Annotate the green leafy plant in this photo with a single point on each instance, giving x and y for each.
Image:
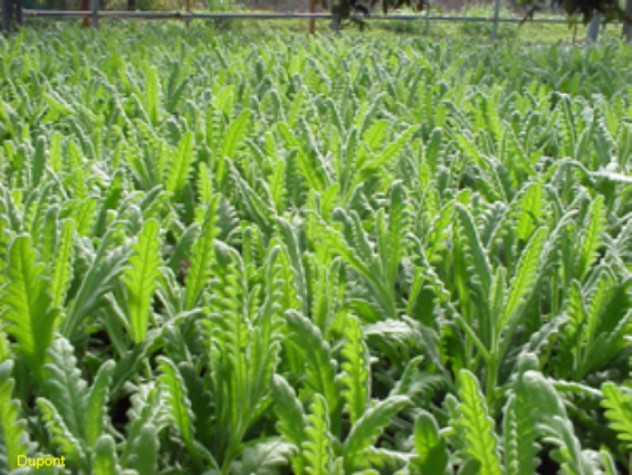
(261, 254)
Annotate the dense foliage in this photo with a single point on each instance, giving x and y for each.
(332, 255)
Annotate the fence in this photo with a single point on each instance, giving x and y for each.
(188, 16)
(95, 15)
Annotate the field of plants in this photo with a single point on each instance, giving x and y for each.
(279, 254)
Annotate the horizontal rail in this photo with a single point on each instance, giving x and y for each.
(61, 14)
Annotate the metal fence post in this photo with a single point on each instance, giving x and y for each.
(627, 34)
(593, 29)
(312, 22)
(427, 27)
(94, 8)
(496, 16)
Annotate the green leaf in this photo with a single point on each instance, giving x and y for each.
(289, 411)
(105, 459)
(531, 208)
(38, 162)
(432, 452)
(474, 249)
(618, 407)
(96, 407)
(4, 347)
(28, 313)
(317, 448)
(263, 458)
(147, 419)
(373, 137)
(369, 427)
(356, 369)
(62, 266)
(592, 238)
(178, 401)
(152, 95)
(479, 427)
(291, 418)
(553, 424)
(13, 431)
(202, 255)
(392, 241)
(519, 432)
(181, 163)
(100, 278)
(142, 450)
(234, 134)
(65, 389)
(60, 434)
(525, 277)
(320, 365)
(141, 279)
(389, 153)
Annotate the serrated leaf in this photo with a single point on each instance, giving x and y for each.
(60, 434)
(592, 236)
(525, 277)
(432, 452)
(289, 411)
(479, 427)
(234, 134)
(355, 369)
(28, 312)
(176, 394)
(65, 389)
(105, 459)
(618, 407)
(320, 365)
(365, 432)
(317, 448)
(62, 266)
(263, 458)
(141, 279)
(96, 407)
(474, 249)
(202, 255)
(142, 451)
(519, 432)
(13, 431)
(181, 163)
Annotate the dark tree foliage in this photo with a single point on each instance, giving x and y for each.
(352, 9)
(587, 9)
(395, 4)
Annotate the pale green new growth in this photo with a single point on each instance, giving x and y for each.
(356, 370)
(105, 459)
(141, 279)
(62, 267)
(479, 427)
(432, 452)
(27, 310)
(181, 162)
(618, 407)
(525, 277)
(13, 431)
(202, 254)
(317, 447)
